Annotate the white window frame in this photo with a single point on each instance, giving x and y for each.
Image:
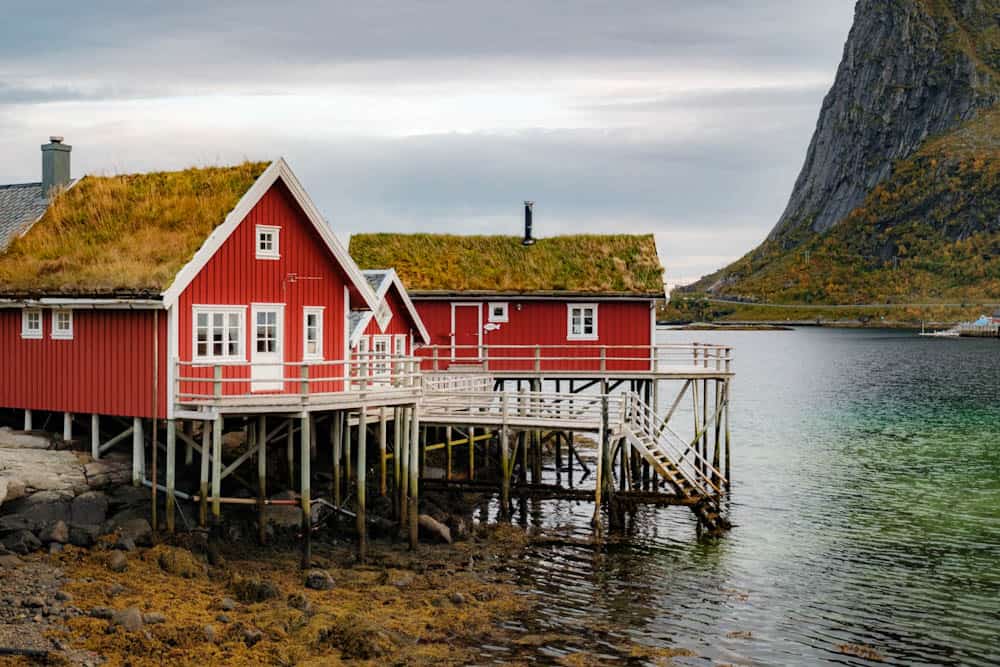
(26, 331)
(275, 251)
(502, 317)
(226, 311)
(62, 334)
(318, 312)
(570, 334)
(364, 360)
(381, 366)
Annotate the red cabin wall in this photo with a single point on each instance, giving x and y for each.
(305, 275)
(107, 368)
(544, 322)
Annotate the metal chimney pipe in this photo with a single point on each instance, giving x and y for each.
(55, 164)
(528, 239)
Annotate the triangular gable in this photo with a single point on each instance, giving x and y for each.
(279, 169)
(389, 279)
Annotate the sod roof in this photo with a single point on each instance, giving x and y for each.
(125, 235)
(581, 264)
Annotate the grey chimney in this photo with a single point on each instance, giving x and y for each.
(55, 164)
(528, 238)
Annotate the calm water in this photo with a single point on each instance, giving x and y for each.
(867, 501)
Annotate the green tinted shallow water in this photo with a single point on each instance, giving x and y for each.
(866, 500)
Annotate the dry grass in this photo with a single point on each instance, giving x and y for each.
(123, 234)
(614, 263)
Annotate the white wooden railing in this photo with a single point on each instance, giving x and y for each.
(578, 357)
(456, 383)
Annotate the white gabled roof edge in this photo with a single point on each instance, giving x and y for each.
(277, 169)
(391, 278)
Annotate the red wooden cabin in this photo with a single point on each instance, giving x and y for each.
(393, 328)
(506, 304)
(175, 292)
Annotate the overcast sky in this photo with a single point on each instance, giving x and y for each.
(685, 118)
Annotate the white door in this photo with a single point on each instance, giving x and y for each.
(267, 356)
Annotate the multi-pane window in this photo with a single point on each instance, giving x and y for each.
(218, 334)
(267, 242)
(582, 322)
(62, 324)
(31, 323)
(312, 326)
(267, 331)
(380, 356)
(498, 311)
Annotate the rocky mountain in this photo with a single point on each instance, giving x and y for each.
(912, 109)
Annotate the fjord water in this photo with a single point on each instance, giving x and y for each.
(866, 504)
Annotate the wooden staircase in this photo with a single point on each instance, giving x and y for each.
(694, 479)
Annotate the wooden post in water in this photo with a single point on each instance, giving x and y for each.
(414, 467)
(362, 522)
(728, 380)
(171, 455)
(383, 462)
(305, 437)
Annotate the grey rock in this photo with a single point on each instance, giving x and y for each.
(251, 636)
(56, 532)
(63, 596)
(124, 544)
(222, 618)
(137, 530)
(21, 542)
(457, 598)
(117, 562)
(154, 618)
(129, 619)
(434, 528)
(404, 580)
(33, 602)
(227, 604)
(89, 508)
(12, 523)
(300, 602)
(319, 580)
(115, 590)
(9, 561)
(209, 632)
(56, 548)
(42, 508)
(102, 612)
(84, 536)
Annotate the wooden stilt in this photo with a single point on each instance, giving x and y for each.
(171, 457)
(290, 452)
(95, 436)
(397, 448)
(217, 470)
(505, 466)
(362, 520)
(337, 438)
(261, 438)
(28, 426)
(67, 426)
(404, 462)
(383, 463)
(347, 453)
(187, 431)
(304, 480)
(206, 439)
(558, 446)
(414, 497)
(138, 453)
(472, 452)
(447, 445)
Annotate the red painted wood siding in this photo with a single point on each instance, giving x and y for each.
(107, 368)
(544, 323)
(305, 275)
(401, 322)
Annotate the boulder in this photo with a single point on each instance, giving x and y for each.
(12, 523)
(21, 542)
(89, 508)
(117, 562)
(84, 536)
(319, 580)
(42, 508)
(129, 619)
(137, 530)
(255, 590)
(154, 618)
(434, 528)
(56, 532)
(179, 562)
(11, 439)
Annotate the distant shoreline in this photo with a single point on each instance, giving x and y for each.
(788, 325)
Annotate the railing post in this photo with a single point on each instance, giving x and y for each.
(304, 381)
(217, 384)
(486, 358)
(538, 358)
(604, 358)
(435, 357)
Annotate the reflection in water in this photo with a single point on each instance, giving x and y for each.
(866, 499)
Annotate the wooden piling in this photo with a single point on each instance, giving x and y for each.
(414, 465)
(95, 436)
(404, 463)
(383, 460)
(362, 521)
(260, 436)
(138, 453)
(447, 447)
(206, 441)
(505, 469)
(171, 455)
(290, 452)
(304, 480)
(217, 470)
(336, 437)
(28, 426)
(472, 452)
(397, 448)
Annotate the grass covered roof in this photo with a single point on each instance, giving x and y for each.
(594, 264)
(124, 235)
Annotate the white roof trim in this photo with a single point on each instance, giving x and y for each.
(392, 278)
(84, 303)
(278, 169)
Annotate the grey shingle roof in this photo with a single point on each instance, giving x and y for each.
(20, 205)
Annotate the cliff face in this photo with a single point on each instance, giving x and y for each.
(915, 74)
(911, 69)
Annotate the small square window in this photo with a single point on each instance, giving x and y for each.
(62, 324)
(267, 242)
(31, 323)
(498, 311)
(582, 322)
